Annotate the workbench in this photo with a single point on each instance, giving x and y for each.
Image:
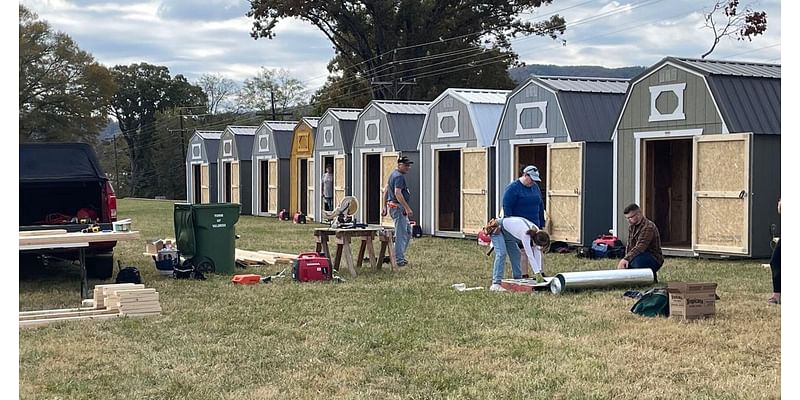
(31, 241)
(343, 239)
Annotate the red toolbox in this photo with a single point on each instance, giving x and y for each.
(246, 279)
(311, 267)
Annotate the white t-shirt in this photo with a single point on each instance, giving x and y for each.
(518, 228)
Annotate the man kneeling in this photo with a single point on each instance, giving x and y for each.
(644, 243)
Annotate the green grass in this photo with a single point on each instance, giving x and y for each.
(385, 335)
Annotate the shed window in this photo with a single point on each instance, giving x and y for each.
(531, 118)
(666, 102)
(447, 124)
(263, 142)
(227, 147)
(372, 131)
(196, 152)
(327, 136)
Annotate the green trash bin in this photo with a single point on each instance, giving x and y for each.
(206, 235)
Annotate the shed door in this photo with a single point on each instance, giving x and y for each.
(388, 164)
(204, 184)
(272, 187)
(235, 182)
(564, 191)
(338, 180)
(473, 190)
(720, 222)
(310, 196)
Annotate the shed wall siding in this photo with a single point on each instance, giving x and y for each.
(246, 186)
(597, 193)
(765, 189)
(466, 132)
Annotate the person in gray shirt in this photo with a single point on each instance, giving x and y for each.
(397, 201)
(327, 189)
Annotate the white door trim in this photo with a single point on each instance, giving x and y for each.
(432, 160)
(639, 137)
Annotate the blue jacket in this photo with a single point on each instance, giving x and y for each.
(526, 202)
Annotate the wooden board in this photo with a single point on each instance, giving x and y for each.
(339, 180)
(77, 237)
(388, 164)
(565, 191)
(235, 196)
(720, 216)
(474, 186)
(272, 187)
(42, 232)
(205, 184)
(310, 187)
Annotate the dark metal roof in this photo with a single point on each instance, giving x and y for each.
(733, 68)
(283, 143)
(748, 104)
(590, 117)
(348, 131)
(405, 130)
(208, 134)
(244, 136)
(212, 148)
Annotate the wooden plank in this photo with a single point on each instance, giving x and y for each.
(43, 232)
(66, 314)
(42, 322)
(77, 237)
(55, 311)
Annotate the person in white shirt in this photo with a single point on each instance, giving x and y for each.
(505, 234)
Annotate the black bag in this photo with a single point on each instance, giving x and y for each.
(416, 230)
(128, 274)
(187, 271)
(653, 303)
(584, 252)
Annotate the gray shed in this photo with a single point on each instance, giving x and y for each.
(271, 153)
(457, 163)
(697, 146)
(201, 167)
(385, 130)
(234, 166)
(563, 126)
(333, 147)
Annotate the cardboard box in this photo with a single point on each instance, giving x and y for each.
(689, 301)
(154, 246)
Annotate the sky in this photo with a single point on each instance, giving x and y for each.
(213, 36)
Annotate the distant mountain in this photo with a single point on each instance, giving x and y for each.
(519, 74)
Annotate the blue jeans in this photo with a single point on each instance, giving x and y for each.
(402, 233)
(644, 260)
(505, 244)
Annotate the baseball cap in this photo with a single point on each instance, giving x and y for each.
(404, 160)
(533, 172)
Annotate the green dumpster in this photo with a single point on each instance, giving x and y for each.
(205, 234)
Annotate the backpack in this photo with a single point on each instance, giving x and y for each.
(299, 218)
(416, 230)
(653, 303)
(128, 274)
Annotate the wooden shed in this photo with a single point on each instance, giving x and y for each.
(457, 163)
(563, 126)
(697, 146)
(234, 166)
(201, 167)
(385, 130)
(302, 185)
(333, 147)
(271, 153)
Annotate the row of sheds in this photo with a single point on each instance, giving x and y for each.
(696, 143)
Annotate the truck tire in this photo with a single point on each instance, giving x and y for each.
(100, 266)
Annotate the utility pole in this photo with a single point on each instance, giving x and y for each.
(183, 143)
(272, 100)
(116, 166)
(396, 84)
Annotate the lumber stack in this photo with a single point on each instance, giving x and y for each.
(263, 257)
(110, 301)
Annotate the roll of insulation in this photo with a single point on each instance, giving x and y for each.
(601, 279)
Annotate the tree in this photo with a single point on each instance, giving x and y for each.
(218, 89)
(143, 91)
(271, 85)
(63, 93)
(387, 43)
(347, 90)
(735, 24)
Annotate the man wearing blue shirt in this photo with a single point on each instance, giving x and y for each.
(398, 199)
(523, 198)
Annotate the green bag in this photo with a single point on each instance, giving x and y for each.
(653, 303)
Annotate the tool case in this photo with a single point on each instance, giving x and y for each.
(311, 267)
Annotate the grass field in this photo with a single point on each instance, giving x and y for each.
(387, 335)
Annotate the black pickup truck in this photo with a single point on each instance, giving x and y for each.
(62, 186)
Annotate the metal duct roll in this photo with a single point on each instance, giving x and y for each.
(601, 279)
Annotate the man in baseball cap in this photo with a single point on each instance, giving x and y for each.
(397, 199)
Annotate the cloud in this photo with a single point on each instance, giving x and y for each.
(205, 10)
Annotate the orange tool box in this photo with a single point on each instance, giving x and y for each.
(246, 279)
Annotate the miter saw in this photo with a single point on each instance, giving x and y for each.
(344, 215)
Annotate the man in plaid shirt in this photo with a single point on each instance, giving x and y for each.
(644, 243)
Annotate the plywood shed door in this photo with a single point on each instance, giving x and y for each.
(338, 180)
(720, 222)
(473, 190)
(388, 164)
(204, 184)
(310, 197)
(272, 187)
(235, 182)
(565, 190)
